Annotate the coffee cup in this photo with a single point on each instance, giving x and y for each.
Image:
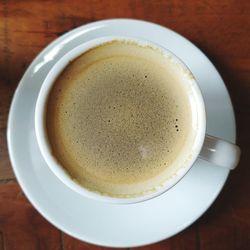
(122, 120)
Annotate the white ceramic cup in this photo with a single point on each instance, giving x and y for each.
(214, 150)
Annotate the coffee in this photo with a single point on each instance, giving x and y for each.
(119, 118)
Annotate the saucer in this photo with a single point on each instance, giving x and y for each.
(109, 224)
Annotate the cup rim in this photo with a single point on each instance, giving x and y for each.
(43, 142)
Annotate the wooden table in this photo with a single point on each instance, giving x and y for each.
(220, 28)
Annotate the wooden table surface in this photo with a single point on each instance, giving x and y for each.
(220, 28)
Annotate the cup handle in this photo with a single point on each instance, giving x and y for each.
(220, 152)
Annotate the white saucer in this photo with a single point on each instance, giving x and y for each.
(107, 224)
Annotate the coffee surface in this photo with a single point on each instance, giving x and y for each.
(117, 118)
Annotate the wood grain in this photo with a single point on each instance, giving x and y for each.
(220, 28)
(21, 226)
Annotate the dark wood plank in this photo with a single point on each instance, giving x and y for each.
(5, 97)
(1, 241)
(21, 225)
